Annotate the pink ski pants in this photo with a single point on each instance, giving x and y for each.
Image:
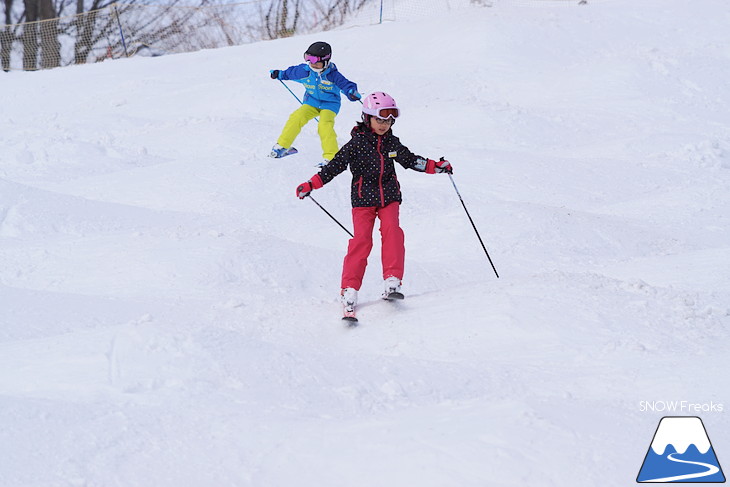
(392, 238)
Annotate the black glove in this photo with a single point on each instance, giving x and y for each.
(274, 74)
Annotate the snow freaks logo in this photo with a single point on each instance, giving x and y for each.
(680, 452)
(680, 407)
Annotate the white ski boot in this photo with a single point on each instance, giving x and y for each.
(392, 288)
(348, 296)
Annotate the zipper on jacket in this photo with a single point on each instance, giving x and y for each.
(382, 170)
(317, 82)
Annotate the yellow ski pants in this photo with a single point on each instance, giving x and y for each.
(326, 129)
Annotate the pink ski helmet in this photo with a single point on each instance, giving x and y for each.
(381, 105)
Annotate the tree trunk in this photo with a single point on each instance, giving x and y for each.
(30, 36)
(282, 19)
(85, 26)
(50, 46)
(6, 37)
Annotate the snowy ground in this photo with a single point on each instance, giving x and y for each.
(168, 308)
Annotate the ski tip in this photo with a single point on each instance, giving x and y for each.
(351, 321)
(393, 296)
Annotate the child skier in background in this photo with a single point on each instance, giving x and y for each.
(375, 192)
(323, 84)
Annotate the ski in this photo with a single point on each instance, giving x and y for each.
(393, 295)
(349, 316)
(285, 153)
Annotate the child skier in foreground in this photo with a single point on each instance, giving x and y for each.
(323, 84)
(375, 192)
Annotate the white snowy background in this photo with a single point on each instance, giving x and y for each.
(168, 307)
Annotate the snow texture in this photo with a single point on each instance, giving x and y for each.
(169, 311)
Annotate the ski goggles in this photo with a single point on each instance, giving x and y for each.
(386, 113)
(385, 121)
(315, 59)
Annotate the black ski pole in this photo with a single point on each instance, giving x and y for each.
(472, 224)
(328, 214)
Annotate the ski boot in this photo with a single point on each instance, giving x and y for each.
(392, 288)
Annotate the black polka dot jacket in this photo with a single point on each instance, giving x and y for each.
(371, 160)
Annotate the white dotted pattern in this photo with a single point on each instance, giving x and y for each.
(371, 158)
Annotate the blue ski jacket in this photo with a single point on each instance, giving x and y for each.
(323, 89)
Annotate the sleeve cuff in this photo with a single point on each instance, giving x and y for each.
(317, 181)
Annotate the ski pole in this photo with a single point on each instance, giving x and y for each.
(328, 214)
(294, 95)
(472, 224)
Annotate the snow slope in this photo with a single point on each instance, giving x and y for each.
(168, 308)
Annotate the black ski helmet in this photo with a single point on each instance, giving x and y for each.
(321, 50)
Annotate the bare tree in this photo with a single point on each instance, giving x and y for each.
(30, 35)
(98, 29)
(335, 12)
(132, 21)
(40, 36)
(282, 18)
(7, 35)
(91, 28)
(48, 30)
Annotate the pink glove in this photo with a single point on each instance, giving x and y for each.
(307, 187)
(442, 165)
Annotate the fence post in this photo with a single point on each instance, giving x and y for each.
(381, 12)
(121, 32)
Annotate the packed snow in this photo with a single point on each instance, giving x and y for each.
(169, 310)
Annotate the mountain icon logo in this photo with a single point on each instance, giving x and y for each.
(680, 452)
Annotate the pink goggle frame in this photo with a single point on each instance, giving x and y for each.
(315, 59)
